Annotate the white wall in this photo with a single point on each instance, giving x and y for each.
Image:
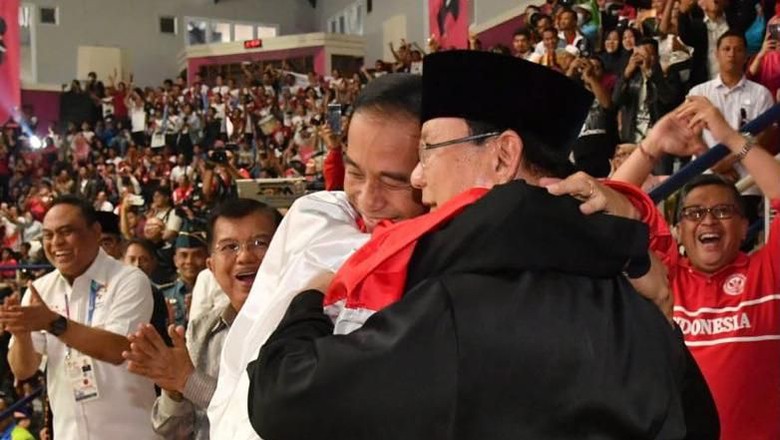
(416, 12)
(133, 26)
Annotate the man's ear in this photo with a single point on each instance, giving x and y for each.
(508, 156)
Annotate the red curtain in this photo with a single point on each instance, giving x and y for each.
(449, 22)
(10, 88)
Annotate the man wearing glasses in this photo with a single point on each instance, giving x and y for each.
(726, 302)
(503, 313)
(240, 231)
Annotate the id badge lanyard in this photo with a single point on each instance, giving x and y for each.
(93, 290)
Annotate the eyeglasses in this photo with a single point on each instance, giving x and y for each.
(231, 249)
(720, 212)
(463, 140)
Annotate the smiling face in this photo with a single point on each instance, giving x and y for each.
(189, 262)
(380, 157)
(443, 173)
(235, 272)
(712, 243)
(69, 242)
(612, 43)
(137, 255)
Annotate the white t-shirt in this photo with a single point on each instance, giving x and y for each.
(168, 216)
(316, 236)
(123, 300)
(137, 119)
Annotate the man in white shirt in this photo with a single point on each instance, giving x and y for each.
(738, 99)
(321, 230)
(182, 169)
(77, 317)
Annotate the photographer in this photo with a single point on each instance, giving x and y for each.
(765, 66)
(596, 143)
(219, 176)
(162, 209)
(643, 94)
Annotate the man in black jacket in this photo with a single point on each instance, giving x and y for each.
(516, 319)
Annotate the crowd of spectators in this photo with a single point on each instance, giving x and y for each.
(161, 157)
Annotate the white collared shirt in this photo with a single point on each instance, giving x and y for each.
(123, 301)
(317, 235)
(206, 295)
(715, 28)
(746, 98)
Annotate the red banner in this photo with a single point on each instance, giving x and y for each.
(10, 88)
(449, 22)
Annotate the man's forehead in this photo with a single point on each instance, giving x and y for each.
(439, 126)
(717, 193)
(256, 224)
(63, 215)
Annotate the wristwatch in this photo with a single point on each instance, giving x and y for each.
(750, 142)
(58, 326)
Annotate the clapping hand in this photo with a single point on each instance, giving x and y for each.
(168, 367)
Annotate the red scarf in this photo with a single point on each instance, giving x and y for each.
(375, 275)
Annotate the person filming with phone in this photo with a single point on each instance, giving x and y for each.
(765, 66)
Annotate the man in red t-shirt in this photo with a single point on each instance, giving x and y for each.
(727, 303)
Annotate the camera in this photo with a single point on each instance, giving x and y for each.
(584, 47)
(219, 157)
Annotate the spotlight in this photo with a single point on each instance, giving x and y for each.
(35, 142)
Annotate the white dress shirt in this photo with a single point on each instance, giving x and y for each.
(206, 295)
(316, 236)
(746, 100)
(122, 410)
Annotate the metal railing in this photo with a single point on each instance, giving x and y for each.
(20, 404)
(711, 157)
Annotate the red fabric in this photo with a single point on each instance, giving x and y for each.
(120, 109)
(333, 170)
(37, 208)
(768, 74)
(375, 275)
(456, 32)
(731, 323)
(10, 86)
(8, 273)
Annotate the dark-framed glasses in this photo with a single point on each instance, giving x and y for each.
(463, 140)
(720, 212)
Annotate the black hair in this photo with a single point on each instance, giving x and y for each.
(648, 41)
(732, 33)
(240, 208)
(569, 10)
(501, 49)
(710, 180)
(87, 210)
(522, 31)
(164, 191)
(395, 93)
(537, 156)
(144, 243)
(635, 32)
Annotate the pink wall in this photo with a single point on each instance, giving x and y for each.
(43, 104)
(501, 34)
(318, 53)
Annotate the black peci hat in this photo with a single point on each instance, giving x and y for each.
(109, 222)
(507, 92)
